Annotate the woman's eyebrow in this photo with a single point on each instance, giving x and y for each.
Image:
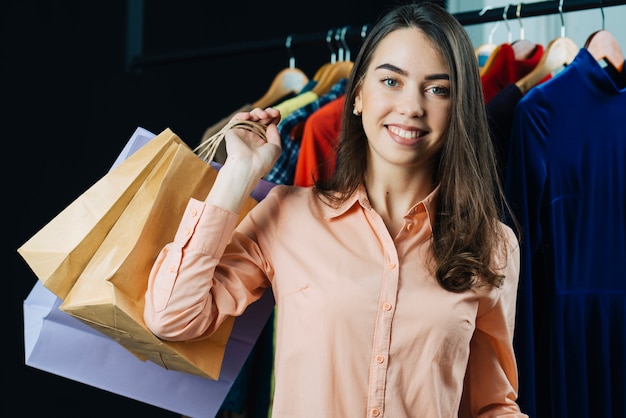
(391, 67)
(441, 76)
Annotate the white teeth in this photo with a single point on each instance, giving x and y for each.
(403, 133)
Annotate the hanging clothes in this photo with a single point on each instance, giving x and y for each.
(506, 69)
(284, 170)
(319, 137)
(500, 112)
(566, 182)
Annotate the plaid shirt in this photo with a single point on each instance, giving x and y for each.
(284, 170)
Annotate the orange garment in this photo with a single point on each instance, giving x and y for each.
(363, 328)
(505, 69)
(319, 138)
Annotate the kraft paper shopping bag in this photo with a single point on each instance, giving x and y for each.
(59, 251)
(109, 293)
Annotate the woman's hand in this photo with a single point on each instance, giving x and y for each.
(243, 145)
(249, 158)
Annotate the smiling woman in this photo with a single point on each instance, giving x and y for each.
(405, 236)
(405, 105)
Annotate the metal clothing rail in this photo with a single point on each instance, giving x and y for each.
(541, 8)
(136, 60)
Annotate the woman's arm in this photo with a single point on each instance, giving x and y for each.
(491, 384)
(183, 300)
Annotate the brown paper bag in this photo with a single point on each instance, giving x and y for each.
(58, 252)
(109, 293)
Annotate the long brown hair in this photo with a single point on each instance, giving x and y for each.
(471, 200)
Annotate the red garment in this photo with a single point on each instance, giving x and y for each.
(320, 135)
(505, 69)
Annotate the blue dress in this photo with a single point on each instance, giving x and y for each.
(566, 181)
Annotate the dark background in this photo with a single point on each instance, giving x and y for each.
(72, 98)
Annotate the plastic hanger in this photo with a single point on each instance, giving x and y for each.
(338, 70)
(288, 80)
(559, 53)
(602, 45)
(492, 58)
(484, 51)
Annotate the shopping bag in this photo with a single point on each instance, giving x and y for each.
(62, 345)
(109, 293)
(59, 251)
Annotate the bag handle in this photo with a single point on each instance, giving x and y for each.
(207, 148)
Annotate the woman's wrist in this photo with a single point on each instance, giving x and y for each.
(233, 185)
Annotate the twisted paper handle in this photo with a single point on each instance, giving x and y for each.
(207, 148)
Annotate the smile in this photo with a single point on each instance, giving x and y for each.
(412, 134)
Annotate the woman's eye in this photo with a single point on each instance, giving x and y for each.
(439, 90)
(390, 82)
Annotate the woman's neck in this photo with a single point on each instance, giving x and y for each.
(392, 195)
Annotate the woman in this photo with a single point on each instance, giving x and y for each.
(395, 283)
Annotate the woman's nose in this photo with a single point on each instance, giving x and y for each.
(411, 103)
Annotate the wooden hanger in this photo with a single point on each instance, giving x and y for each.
(602, 45)
(288, 80)
(321, 72)
(329, 75)
(483, 52)
(335, 72)
(486, 68)
(560, 52)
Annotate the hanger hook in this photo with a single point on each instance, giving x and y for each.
(329, 42)
(506, 22)
(292, 58)
(344, 31)
(363, 31)
(518, 14)
(494, 28)
(340, 50)
(562, 20)
(602, 11)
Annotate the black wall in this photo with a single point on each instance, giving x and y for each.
(69, 106)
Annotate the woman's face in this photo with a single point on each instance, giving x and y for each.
(404, 100)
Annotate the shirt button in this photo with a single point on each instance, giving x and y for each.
(409, 226)
(379, 359)
(194, 212)
(375, 412)
(387, 306)
(391, 266)
(187, 232)
(172, 268)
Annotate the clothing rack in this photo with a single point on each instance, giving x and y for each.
(136, 60)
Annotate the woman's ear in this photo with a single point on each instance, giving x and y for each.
(357, 107)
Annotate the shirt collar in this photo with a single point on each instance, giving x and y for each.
(429, 204)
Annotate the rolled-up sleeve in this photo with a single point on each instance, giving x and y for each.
(179, 298)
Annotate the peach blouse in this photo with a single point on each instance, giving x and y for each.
(363, 329)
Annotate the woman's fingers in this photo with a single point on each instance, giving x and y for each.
(264, 116)
(272, 135)
(269, 118)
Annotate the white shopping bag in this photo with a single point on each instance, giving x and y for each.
(62, 345)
